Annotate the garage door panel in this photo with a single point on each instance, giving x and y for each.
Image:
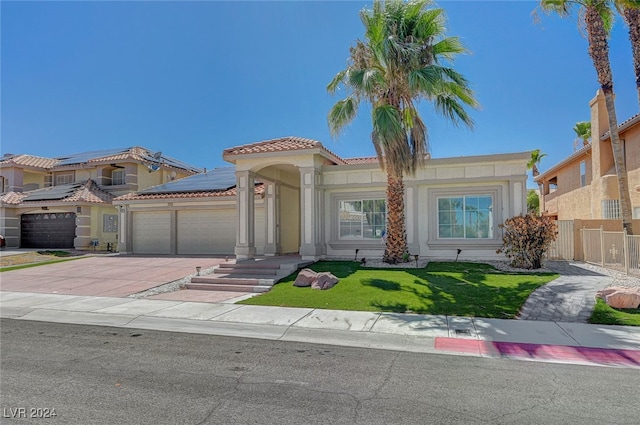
(152, 232)
(206, 231)
(47, 230)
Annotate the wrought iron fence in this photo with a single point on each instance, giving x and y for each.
(614, 250)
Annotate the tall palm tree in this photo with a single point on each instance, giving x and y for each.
(536, 157)
(597, 18)
(398, 64)
(630, 11)
(583, 132)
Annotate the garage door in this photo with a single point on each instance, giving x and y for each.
(207, 231)
(152, 232)
(213, 231)
(50, 230)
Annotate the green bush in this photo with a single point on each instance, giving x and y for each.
(526, 238)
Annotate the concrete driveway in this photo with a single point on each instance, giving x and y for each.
(106, 276)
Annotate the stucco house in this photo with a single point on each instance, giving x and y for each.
(66, 202)
(293, 195)
(584, 185)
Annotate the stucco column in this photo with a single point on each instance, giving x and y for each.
(245, 206)
(272, 218)
(83, 228)
(123, 230)
(310, 215)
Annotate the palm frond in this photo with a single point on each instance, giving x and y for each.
(342, 113)
(448, 48)
(336, 81)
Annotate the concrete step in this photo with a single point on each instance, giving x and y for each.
(245, 271)
(249, 265)
(227, 287)
(213, 279)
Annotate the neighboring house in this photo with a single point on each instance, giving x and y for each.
(292, 195)
(585, 185)
(65, 202)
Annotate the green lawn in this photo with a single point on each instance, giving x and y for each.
(603, 314)
(458, 289)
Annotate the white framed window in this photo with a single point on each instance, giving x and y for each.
(465, 217)
(66, 178)
(117, 177)
(362, 219)
(583, 173)
(611, 209)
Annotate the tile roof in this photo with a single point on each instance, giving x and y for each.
(135, 153)
(28, 160)
(259, 190)
(88, 192)
(283, 144)
(623, 126)
(363, 160)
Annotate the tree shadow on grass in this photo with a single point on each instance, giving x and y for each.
(385, 285)
(467, 292)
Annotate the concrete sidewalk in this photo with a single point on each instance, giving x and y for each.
(518, 339)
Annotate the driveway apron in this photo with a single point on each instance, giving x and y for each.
(116, 276)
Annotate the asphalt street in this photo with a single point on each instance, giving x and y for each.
(105, 375)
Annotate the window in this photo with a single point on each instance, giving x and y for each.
(583, 174)
(117, 177)
(362, 219)
(611, 209)
(64, 178)
(465, 217)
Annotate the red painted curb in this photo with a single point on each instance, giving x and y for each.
(564, 353)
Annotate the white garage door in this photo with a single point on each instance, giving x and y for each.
(214, 231)
(207, 231)
(152, 232)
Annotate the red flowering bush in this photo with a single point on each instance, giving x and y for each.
(526, 238)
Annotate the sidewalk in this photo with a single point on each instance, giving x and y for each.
(575, 343)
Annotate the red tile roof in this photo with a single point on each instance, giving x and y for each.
(135, 153)
(88, 192)
(28, 160)
(283, 144)
(259, 190)
(363, 160)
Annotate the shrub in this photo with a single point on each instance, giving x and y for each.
(526, 238)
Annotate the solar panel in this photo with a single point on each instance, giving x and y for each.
(52, 193)
(217, 179)
(78, 158)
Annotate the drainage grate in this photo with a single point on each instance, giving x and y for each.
(463, 332)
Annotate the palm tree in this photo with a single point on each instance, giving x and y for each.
(536, 157)
(597, 17)
(630, 11)
(399, 63)
(583, 132)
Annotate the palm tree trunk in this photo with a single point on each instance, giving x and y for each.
(396, 233)
(632, 17)
(599, 52)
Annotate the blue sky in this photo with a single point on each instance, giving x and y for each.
(192, 78)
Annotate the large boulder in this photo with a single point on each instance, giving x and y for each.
(305, 278)
(620, 296)
(326, 280)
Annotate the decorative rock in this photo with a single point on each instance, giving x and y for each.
(326, 280)
(620, 296)
(305, 278)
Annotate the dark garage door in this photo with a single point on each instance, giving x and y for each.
(48, 230)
